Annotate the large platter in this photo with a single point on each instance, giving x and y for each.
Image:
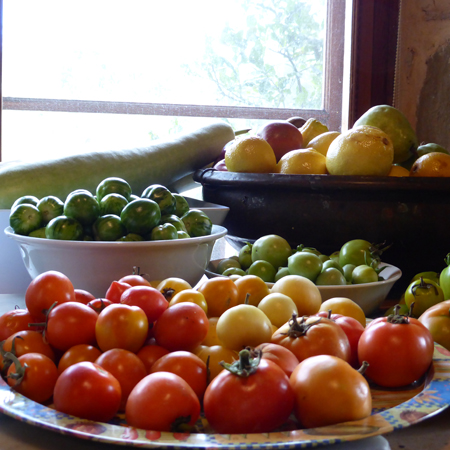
(393, 410)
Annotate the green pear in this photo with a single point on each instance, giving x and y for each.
(395, 124)
(423, 149)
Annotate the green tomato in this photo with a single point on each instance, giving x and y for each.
(444, 278)
(108, 228)
(50, 207)
(331, 263)
(161, 195)
(305, 264)
(324, 258)
(113, 185)
(197, 223)
(39, 233)
(335, 256)
(26, 199)
(331, 276)
(348, 271)
(263, 269)
(245, 256)
(233, 271)
(181, 205)
(281, 272)
(25, 218)
(183, 235)
(356, 251)
(64, 228)
(82, 206)
(174, 220)
(141, 216)
(302, 248)
(364, 274)
(424, 293)
(273, 249)
(112, 204)
(164, 232)
(131, 237)
(226, 263)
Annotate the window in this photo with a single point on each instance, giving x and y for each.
(107, 74)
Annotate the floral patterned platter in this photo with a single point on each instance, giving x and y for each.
(393, 409)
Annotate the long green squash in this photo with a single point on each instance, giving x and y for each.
(163, 162)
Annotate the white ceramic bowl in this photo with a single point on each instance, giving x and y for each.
(94, 265)
(369, 295)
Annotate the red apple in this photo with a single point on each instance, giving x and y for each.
(282, 136)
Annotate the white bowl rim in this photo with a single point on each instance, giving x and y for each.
(217, 232)
(393, 277)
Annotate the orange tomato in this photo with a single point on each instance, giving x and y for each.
(220, 294)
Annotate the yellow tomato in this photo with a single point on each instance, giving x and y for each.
(251, 289)
(190, 295)
(278, 308)
(211, 338)
(345, 307)
(171, 286)
(216, 354)
(220, 294)
(242, 326)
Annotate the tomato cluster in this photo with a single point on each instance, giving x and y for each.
(113, 213)
(165, 355)
(271, 257)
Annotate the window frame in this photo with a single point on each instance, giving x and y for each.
(372, 33)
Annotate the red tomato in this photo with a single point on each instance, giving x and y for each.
(188, 366)
(256, 403)
(183, 326)
(115, 291)
(13, 321)
(28, 341)
(279, 355)
(311, 336)
(83, 296)
(328, 391)
(88, 391)
(99, 304)
(151, 353)
(121, 326)
(135, 280)
(36, 380)
(70, 324)
(399, 350)
(46, 289)
(126, 367)
(76, 354)
(152, 302)
(352, 328)
(162, 401)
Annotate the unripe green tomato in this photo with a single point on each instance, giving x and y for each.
(263, 270)
(305, 264)
(233, 271)
(281, 272)
(25, 218)
(64, 228)
(424, 293)
(226, 263)
(331, 277)
(245, 256)
(164, 232)
(364, 274)
(348, 271)
(332, 263)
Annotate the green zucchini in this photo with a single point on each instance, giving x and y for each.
(163, 162)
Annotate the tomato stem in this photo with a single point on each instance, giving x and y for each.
(299, 328)
(423, 285)
(398, 318)
(363, 368)
(20, 370)
(246, 365)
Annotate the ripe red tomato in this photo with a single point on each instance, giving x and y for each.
(70, 324)
(352, 328)
(13, 321)
(126, 367)
(46, 289)
(256, 403)
(76, 354)
(115, 291)
(279, 355)
(135, 280)
(99, 304)
(183, 326)
(162, 401)
(328, 391)
(311, 336)
(152, 302)
(37, 380)
(28, 341)
(151, 353)
(83, 296)
(121, 326)
(399, 350)
(188, 366)
(88, 391)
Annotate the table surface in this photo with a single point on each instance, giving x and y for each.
(432, 433)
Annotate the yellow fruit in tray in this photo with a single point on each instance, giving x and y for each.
(434, 164)
(250, 154)
(363, 150)
(322, 142)
(395, 124)
(304, 161)
(311, 129)
(398, 171)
